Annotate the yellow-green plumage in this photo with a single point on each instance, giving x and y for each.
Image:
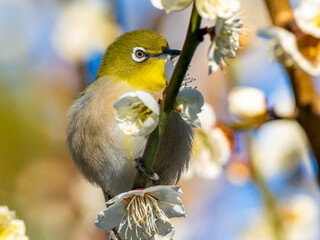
(99, 148)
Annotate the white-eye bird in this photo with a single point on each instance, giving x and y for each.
(103, 153)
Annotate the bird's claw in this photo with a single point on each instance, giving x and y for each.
(112, 234)
(140, 168)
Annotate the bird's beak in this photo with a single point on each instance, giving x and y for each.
(171, 52)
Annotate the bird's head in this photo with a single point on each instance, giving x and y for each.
(137, 58)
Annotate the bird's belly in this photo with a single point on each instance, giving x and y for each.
(119, 165)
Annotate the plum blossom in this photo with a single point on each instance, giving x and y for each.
(225, 42)
(137, 113)
(10, 227)
(188, 104)
(143, 213)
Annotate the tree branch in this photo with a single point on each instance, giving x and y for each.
(192, 40)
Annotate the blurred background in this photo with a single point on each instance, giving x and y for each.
(50, 50)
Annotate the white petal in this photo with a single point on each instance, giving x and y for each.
(166, 229)
(307, 17)
(149, 101)
(162, 192)
(192, 98)
(191, 118)
(169, 68)
(121, 196)
(148, 126)
(171, 5)
(131, 234)
(219, 25)
(111, 217)
(227, 8)
(4, 210)
(190, 101)
(214, 58)
(206, 9)
(170, 198)
(172, 210)
(19, 226)
(125, 100)
(166, 237)
(211, 9)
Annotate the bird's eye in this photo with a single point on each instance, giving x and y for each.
(139, 54)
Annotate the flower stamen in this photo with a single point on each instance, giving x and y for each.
(140, 214)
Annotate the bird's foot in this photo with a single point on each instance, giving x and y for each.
(113, 234)
(141, 170)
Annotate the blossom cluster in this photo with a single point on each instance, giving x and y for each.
(288, 46)
(228, 26)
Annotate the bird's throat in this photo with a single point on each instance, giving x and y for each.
(150, 77)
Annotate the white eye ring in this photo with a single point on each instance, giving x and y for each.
(139, 54)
